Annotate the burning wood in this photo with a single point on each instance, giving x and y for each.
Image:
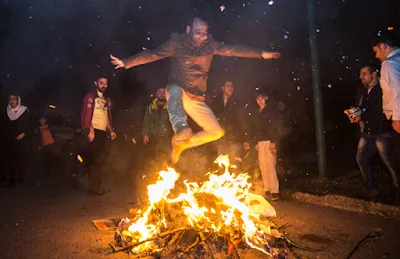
(203, 220)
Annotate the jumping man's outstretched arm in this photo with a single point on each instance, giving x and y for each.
(243, 51)
(144, 57)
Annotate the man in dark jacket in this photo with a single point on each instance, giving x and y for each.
(157, 129)
(265, 133)
(96, 120)
(230, 115)
(376, 132)
(190, 56)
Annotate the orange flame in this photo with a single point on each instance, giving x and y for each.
(234, 208)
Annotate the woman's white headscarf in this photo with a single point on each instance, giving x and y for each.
(15, 113)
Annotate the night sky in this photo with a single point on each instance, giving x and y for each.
(52, 51)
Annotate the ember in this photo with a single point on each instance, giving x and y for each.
(204, 220)
(80, 159)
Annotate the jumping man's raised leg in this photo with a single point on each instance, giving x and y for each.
(177, 114)
(205, 118)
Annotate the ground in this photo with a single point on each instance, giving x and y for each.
(51, 219)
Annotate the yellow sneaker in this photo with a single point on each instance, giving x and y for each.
(178, 146)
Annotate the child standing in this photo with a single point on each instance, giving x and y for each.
(46, 146)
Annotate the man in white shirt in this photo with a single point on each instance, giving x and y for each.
(387, 49)
(96, 120)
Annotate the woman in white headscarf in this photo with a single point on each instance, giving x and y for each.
(18, 132)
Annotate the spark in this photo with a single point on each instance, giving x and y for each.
(222, 8)
(80, 159)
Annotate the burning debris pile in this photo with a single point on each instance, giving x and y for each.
(215, 217)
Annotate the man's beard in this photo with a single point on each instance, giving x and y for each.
(364, 82)
(102, 90)
(161, 99)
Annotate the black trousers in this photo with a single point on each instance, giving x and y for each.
(94, 160)
(17, 159)
(49, 158)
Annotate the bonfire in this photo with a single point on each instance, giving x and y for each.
(202, 220)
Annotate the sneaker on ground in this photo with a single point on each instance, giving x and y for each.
(274, 197)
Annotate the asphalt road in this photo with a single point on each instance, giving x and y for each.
(52, 220)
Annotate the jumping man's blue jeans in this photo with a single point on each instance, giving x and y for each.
(179, 104)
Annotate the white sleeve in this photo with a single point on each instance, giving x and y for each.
(393, 79)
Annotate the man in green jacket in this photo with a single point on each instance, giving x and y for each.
(190, 56)
(157, 130)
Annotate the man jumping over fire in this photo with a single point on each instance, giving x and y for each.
(190, 56)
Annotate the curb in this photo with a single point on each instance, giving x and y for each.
(350, 204)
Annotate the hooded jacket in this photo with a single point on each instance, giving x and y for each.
(190, 64)
(88, 108)
(156, 121)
